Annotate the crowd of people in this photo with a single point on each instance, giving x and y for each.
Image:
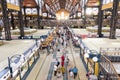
(60, 45)
(59, 68)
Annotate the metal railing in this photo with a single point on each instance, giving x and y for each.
(5, 73)
(108, 69)
(110, 51)
(113, 54)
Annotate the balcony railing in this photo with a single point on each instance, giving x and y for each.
(108, 69)
(113, 54)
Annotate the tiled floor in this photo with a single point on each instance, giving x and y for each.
(36, 70)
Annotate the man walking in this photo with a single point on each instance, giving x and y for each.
(75, 71)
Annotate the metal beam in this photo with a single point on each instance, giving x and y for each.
(114, 20)
(84, 14)
(21, 20)
(6, 20)
(38, 16)
(25, 20)
(62, 3)
(100, 17)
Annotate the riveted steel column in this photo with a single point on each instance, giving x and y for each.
(6, 20)
(21, 19)
(38, 17)
(25, 20)
(100, 18)
(41, 27)
(114, 19)
(84, 14)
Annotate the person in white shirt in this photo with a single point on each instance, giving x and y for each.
(55, 70)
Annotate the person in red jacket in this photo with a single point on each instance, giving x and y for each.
(62, 63)
(62, 58)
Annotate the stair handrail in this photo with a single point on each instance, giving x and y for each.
(111, 66)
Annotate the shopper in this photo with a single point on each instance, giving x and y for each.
(71, 72)
(75, 71)
(62, 58)
(59, 72)
(62, 63)
(57, 62)
(63, 70)
(55, 70)
(67, 60)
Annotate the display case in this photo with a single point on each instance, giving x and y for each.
(24, 69)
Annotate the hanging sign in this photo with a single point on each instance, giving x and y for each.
(13, 4)
(106, 6)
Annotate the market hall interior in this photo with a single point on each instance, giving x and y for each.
(59, 39)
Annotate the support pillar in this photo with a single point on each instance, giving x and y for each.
(100, 17)
(25, 20)
(38, 17)
(41, 27)
(114, 20)
(84, 14)
(6, 20)
(21, 20)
